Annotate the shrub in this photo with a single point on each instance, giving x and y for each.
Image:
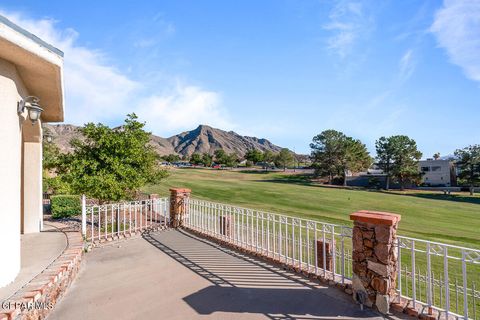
(65, 206)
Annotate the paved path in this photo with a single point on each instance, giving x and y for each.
(38, 250)
(174, 275)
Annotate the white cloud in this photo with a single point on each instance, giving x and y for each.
(96, 91)
(406, 65)
(347, 23)
(457, 29)
(184, 107)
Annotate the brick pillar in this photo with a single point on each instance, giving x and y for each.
(225, 226)
(374, 258)
(178, 205)
(328, 255)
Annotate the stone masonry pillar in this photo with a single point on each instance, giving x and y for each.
(374, 258)
(178, 206)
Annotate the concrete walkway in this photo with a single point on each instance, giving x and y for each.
(174, 275)
(38, 250)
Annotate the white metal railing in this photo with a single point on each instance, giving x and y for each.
(439, 276)
(299, 242)
(431, 275)
(111, 221)
(308, 245)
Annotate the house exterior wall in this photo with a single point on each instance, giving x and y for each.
(12, 90)
(436, 172)
(32, 219)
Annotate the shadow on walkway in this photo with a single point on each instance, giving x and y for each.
(242, 284)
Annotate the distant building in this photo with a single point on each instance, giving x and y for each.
(437, 173)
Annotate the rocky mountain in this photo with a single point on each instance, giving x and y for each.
(202, 139)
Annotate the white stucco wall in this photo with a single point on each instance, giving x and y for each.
(32, 187)
(11, 91)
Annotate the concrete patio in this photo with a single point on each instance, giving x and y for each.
(38, 250)
(175, 275)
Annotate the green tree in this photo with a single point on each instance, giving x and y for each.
(334, 153)
(398, 157)
(111, 164)
(469, 165)
(230, 160)
(52, 182)
(268, 156)
(207, 159)
(171, 158)
(354, 157)
(196, 159)
(51, 155)
(254, 155)
(284, 158)
(219, 156)
(326, 153)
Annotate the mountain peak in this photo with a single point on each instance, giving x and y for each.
(203, 139)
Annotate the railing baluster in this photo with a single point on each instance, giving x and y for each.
(308, 246)
(316, 249)
(324, 251)
(343, 255)
(293, 242)
(456, 296)
(464, 278)
(300, 244)
(334, 258)
(474, 301)
(399, 264)
(414, 289)
(429, 281)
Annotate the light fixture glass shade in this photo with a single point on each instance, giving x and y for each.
(34, 112)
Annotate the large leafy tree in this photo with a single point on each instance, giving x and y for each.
(219, 156)
(171, 158)
(52, 182)
(268, 156)
(207, 159)
(230, 160)
(354, 157)
(398, 157)
(326, 153)
(254, 155)
(334, 153)
(111, 164)
(469, 165)
(284, 158)
(196, 159)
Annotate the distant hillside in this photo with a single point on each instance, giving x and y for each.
(202, 139)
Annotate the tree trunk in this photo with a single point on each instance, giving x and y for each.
(472, 189)
(387, 185)
(344, 178)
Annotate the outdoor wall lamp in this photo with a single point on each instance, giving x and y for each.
(33, 108)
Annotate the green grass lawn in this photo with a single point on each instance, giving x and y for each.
(425, 215)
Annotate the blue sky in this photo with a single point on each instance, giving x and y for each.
(283, 70)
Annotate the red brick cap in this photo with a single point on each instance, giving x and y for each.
(376, 217)
(180, 190)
